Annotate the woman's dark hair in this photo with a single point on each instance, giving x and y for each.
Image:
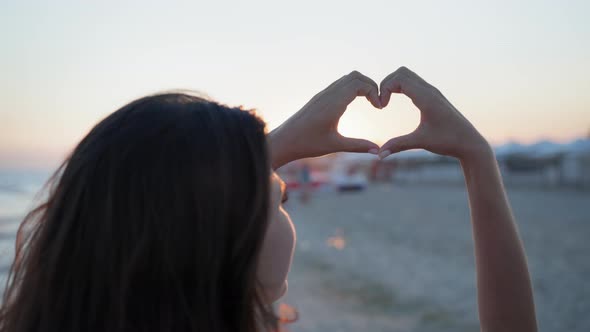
(153, 223)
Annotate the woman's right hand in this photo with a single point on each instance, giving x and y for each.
(442, 129)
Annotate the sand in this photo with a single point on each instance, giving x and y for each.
(407, 262)
(397, 258)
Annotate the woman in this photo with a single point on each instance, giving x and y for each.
(167, 215)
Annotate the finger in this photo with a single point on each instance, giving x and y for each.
(371, 94)
(403, 81)
(398, 144)
(359, 87)
(348, 144)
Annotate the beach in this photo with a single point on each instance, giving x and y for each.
(400, 258)
(404, 259)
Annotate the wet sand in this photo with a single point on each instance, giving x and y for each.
(407, 262)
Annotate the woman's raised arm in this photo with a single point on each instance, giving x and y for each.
(504, 289)
(505, 297)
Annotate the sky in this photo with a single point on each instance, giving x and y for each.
(520, 71)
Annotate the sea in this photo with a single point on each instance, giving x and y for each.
(19, 192)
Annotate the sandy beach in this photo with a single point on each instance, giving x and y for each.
(400, 258)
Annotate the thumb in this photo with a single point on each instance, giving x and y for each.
(399, 144)
(347, 144)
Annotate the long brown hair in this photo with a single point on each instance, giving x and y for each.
(153, 223)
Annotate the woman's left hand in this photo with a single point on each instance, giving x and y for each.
(313, 131)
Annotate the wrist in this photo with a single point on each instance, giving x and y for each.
(277, 148)
(477, 152)
(480, 170)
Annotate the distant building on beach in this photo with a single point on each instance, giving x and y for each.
(544, 164)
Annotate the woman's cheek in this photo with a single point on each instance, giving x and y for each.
(276, 256)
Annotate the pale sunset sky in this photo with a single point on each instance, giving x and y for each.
(519, 70)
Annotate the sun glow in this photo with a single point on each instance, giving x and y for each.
(361, 120)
